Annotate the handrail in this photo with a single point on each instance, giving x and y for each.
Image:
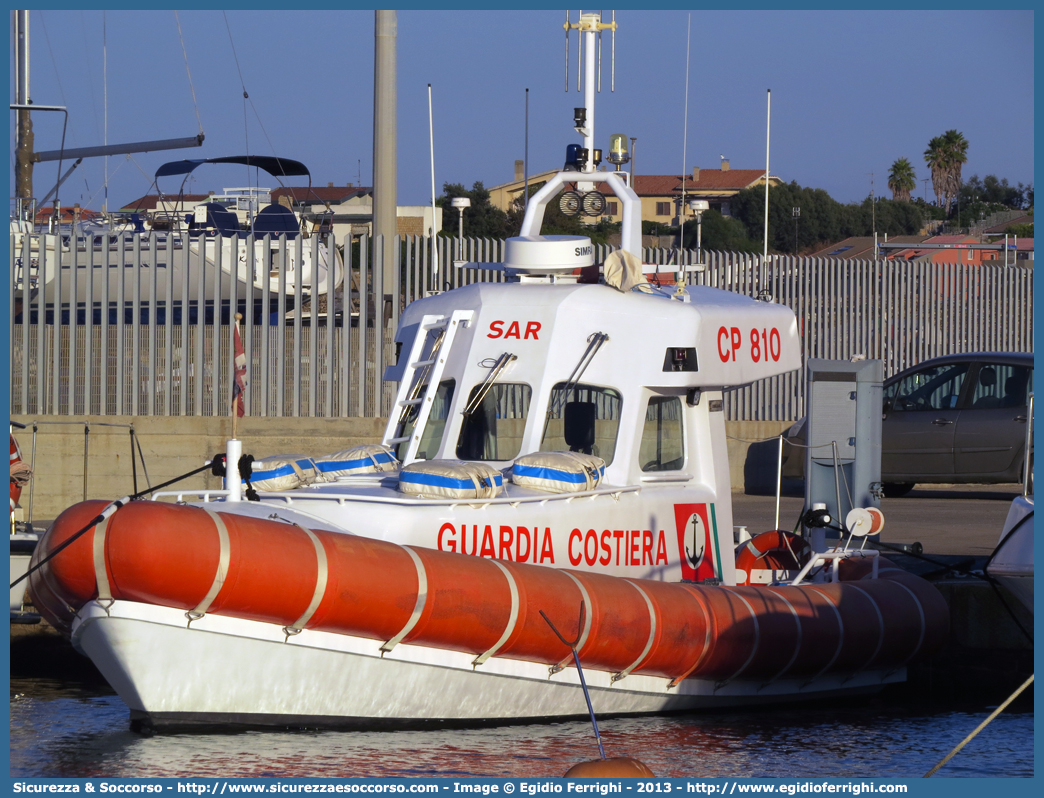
(1026, 450)
(36, 424)
(305, 494)
(835, 556)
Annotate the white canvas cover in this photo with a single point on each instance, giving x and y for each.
(450, 479)
(366, 459)
(558, 472)
(282, 472)
(622, 270)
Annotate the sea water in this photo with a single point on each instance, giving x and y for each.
(82, 731)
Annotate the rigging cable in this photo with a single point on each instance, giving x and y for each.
(247, 99)
(188, 71)
(54, 63)
(246, 96)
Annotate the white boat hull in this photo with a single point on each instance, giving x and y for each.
(22, 545)
(232, 671)
(177, 273)
(1012, 563)
(19, 565)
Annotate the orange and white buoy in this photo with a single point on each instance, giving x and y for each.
(617, 767)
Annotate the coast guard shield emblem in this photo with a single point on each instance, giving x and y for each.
(695, 541)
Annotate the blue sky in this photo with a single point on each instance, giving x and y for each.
(851, 92)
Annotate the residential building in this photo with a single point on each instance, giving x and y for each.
(660, 194)
(69, 214)
(962, 249)
(862, 247)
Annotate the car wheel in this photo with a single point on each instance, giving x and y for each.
(895, 489)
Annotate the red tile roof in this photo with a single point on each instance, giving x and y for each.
(1000, 228)
(151, 201)
(319, 194)
(68, 214)
(954, 238)
(710, 180)
(862, 246)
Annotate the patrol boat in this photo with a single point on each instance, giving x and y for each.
(556, 452)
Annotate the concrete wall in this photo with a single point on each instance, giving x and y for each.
(172, 446)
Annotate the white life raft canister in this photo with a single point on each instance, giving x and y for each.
(282, 472)
(366, 459)
(450, 479)
(558, 472)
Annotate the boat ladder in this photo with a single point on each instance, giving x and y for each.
(420, 381)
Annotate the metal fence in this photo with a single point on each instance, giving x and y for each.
(159, 341)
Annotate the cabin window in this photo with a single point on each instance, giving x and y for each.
(493, 429)
(661, 446)
(431, 436)
(587, 420)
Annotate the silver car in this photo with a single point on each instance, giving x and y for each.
(958, 418)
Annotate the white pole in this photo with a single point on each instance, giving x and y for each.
(233, 484)
(589, 96)
(525, 154)
(460, 233)
(434, 232)
(683, 275)
(105, 102)
(768, 131)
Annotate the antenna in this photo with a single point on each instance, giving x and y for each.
(434, 232)
(579, 50)
(768, 132)
(683, 277)
(599, 67)
(567, 26)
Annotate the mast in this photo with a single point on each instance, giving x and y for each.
(24, 134)
(589, 28)
(385, 135)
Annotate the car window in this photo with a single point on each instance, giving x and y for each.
(1001, 385)
(934, 388)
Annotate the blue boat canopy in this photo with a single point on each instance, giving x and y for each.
(279, 167)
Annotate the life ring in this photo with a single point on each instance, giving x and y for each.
(776, 550)
(16, 485)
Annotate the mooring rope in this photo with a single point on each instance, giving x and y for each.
(980, 727)
(108, 510)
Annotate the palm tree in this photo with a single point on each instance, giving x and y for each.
(955, 146)
(945, 156)
(935, 157)
(902, 180)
